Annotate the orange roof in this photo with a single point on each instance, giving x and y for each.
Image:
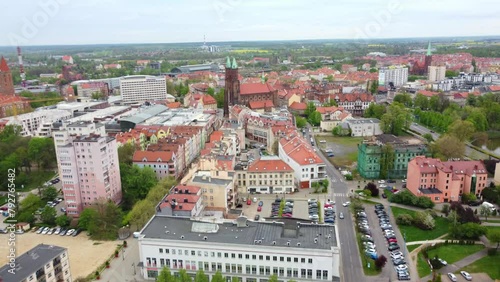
(269, 166)
(209, 100)
(153, 156)
(216, 136)
(255, 88)
(300, 151)
(298, 106)
(254, 105)
(430, 165)
(427, 93)
(3, 65)
(324, 110)
(174, 105)
(495, 88)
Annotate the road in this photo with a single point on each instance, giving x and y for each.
(351, 269)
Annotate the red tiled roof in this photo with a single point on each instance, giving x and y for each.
(209, 100)
(430, 165)
(495, 88)
(255, 88)
(192, 189)
(324, 110)
(3, 65)
(300, 151)
(216, 136)
(298, 106)
(269, 166)
(255, 105)
(427, 93)
(152, 156)
(174, 105)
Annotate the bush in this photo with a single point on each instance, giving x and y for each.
(348, 177)
(404, 219)
(431, 212)
(492, 252)
(373, 189)
(380, 262)
(424, 221)
(407, 198)
(446, 209)
(468, 231)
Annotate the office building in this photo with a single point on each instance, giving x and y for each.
(436, 73)
(42, 263)
(142, 88)
(397, 75)
(245, 250)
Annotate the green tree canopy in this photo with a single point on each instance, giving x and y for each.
(48, 215)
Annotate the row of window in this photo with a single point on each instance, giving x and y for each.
(254, 176)
(233, 255)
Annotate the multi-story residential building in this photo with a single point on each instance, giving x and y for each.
(182, 200)
(331, 117)
(267, 175)
(436, 73)
(38, 123)
(444, 182)
(42, 263)
(397, 75)
(301, 157)
(161, 162)
(142, 88)
(364, 127)
(86, 90)
(88, 166)
(355, 102)
(244, 250)
(217, 189)
(387, 155)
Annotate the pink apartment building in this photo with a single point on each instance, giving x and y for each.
(445, 181)
(89, 170)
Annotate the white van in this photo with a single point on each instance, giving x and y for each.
(136, 234)
(489, 205)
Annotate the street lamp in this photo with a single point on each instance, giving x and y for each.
(123, 253)
(133, 266)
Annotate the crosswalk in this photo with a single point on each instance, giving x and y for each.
(340, 194)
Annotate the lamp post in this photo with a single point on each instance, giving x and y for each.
(404, 242)
(133, 266)
(123, 253)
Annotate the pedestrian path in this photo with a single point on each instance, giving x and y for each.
(460, 264)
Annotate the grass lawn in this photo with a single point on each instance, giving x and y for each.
(3, 200)
(422, 266)
(493, 220)
(453, 253)
(365, 260)
(491, 228)
(412, 247)
(487, 265)
(344, 148)
(36, 178)
(416, 234)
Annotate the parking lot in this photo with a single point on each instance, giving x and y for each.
(300, 205)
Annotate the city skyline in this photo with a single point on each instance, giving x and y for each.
(64, 22)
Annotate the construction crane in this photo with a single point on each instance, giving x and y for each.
(21, 67)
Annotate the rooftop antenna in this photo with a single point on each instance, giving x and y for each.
(21, 67)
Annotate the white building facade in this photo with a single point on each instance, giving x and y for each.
(436, 73)
(364, 127)
(398, 75)
(39, 123)
(142, 88)
(246, 250)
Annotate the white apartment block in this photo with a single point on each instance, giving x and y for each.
(42, 263)
(142, 88)
(245, 250)
(364, 127)
(38, 123)
(436, 73)
(398, 75)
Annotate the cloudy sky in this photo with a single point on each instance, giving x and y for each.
(54, 22)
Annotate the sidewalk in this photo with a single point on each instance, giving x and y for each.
(459, 264)
(124, 267)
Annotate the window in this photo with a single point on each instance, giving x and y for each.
(295, 259)
(261, 257)
(226, 255)
(268, 271)
(325, 274)
(268, 258)
(302, 260)
(247, 269)
(261, 270)
(240, 268)
(295, 272)
(275, 271)
(247, 256)
(228, 267)
(281, 271)
(233, 268)
(288, 272)
(193, 253)
(186, 252)
(318, 274)
(233, 255)
(254, 269)
(275, 258)
(240, 256)
(310, 260)
(162, 262)
(309, 273)
(282, 259)
(302, 273)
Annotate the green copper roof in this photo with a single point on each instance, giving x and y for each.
(429, 49)
(234, 65)
(228, 63)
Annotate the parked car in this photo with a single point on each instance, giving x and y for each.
(466, 275)
(346, 204)
(393, 247)
(249, 202)
(77, 231)
(403, 267)
(259, 208)
(257, 217)
(39, 231)
(70, 232)
(443, 262)
(51, 230)
(63, 231)
(384, 196)
(452, 277)
(381, 181)
(58, 229)
(261, 203)
(382, 186)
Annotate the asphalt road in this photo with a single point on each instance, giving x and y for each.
(351, 269)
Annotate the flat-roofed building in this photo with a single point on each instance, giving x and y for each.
(142, 88)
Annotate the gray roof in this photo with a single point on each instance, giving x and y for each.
(194, 68)
(145, 114)
(29, 262)
(212, 180)
(268, 234)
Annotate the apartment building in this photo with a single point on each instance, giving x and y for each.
(38, 123)
(364, 127)
(301, 157)
(183, 200)
(217, 189)
(142, 88)
(161, 162)
(42, 263)
(436, 73)
(267, 175)
(244, 250)
(397, 75)
(444, 182)
(332, 116)
(88, 165)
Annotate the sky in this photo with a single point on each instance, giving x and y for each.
(74, 22)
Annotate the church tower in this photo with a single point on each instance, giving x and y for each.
(6, 82)
(232, 86)
(428, 59)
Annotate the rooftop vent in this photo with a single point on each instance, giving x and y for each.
(182, 237)
(205, 238)
(185, 200)
(298, 244)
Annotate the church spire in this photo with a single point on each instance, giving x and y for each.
(429, 53)
(228, 63)
(235, 65)
(3, 65)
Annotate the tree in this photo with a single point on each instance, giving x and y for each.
(217, 277)
(461, 129)
(31, 203)
(87, 218)
(136, 183)
(380, 262)
(395, 119)
(404, 219)
(48, 215)
(375, 111)
(125, 153)
(166, 276)
(469, 231)
(428, 137)
(485, 211)
(273, 278)
(468, 198)
(141, 213)
(300, 122)
(201, 276)
(405, 99)
(445, 209)
(211, 91)
(374, 87)
(424, 221)
(447, 147)
(183, 276)
(386, 160)
(450, 73)
(49, 193)
(374, 191)
(421, 102)
(310, 109)
(63, 220)
(315, 118)
(106, 221)
(494, 237)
